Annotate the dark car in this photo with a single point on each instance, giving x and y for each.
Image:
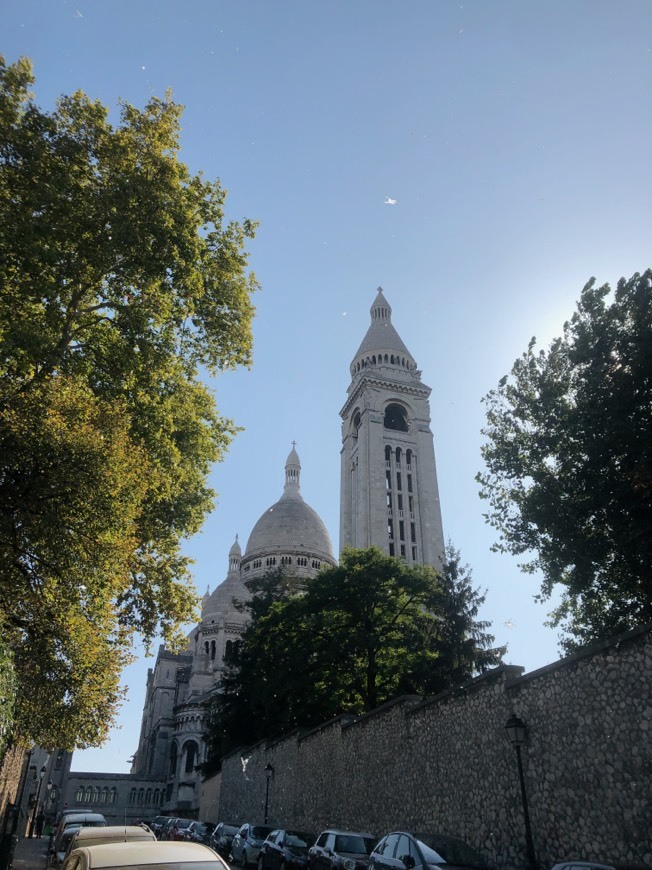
(177, 830)
(163, 831)
(222, 837)
(156, 823)
(199, 832)
(348, 850)
(246, 844)
(285, 849)
(400, 850)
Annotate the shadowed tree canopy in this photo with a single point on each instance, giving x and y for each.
(569, 462)
(362, 633)
(119, 281)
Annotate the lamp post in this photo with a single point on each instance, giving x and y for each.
(269, 773)
(38, 796)
(517, 733)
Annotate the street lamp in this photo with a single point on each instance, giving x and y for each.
(269, 773)
(517, 733)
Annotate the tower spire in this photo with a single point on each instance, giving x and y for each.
(292, 473)
(389, 493)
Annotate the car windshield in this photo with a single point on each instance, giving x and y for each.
(183, 823)
(354, 844)
(439, 849)
(229, 829)
(298, 841)
(259, 832)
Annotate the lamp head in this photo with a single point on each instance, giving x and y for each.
(516, 730)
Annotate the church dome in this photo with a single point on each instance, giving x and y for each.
(289, 528)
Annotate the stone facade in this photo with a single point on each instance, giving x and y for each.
(121, 797)
(389, 496)
(446, 764)
(171, 746)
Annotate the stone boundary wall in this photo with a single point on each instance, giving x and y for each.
(446, 764)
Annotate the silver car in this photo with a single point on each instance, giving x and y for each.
(246, 844)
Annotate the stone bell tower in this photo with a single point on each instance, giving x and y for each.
(389, 494)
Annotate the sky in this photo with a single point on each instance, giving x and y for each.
(514, 137)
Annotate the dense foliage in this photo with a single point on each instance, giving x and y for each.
(7, 693)
(119, 280)
(361, 633)
(569, 462)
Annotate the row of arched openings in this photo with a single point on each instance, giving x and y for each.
(399, 455)
(96, 795)
(145, 796)
(383, 359)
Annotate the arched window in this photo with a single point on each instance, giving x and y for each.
(173, 759)
(398, 455)
(79, 794)
(113, 794)
(191, 756)
(89, 795)
(105, 795)
(212, 650)
(132, 796)
(388, 454)
(395, 418)
(157, 796)
(408, 458)
(141, 796)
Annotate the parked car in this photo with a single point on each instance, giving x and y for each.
(177, 831)
(110, 834)
(246, 844)
(582, 865)
(118, 856)
(199, 832)
(62, 843)
(165, 827)
(156, 823)
(285, 849)
(68, 826)
(80, 817)
(400, 850)
(348, 850)
(222, 837)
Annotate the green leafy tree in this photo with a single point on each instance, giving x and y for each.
(119, 282)
(569, 462)
(361, 633)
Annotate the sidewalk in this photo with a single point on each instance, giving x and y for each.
(31, 854)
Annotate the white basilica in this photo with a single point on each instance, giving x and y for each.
(389, 498)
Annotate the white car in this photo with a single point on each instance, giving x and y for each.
(168, 855)
(110, 834)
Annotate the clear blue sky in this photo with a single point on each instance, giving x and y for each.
(515, 137)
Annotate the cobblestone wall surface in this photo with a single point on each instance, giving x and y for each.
(11, 765)
(446, 764)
